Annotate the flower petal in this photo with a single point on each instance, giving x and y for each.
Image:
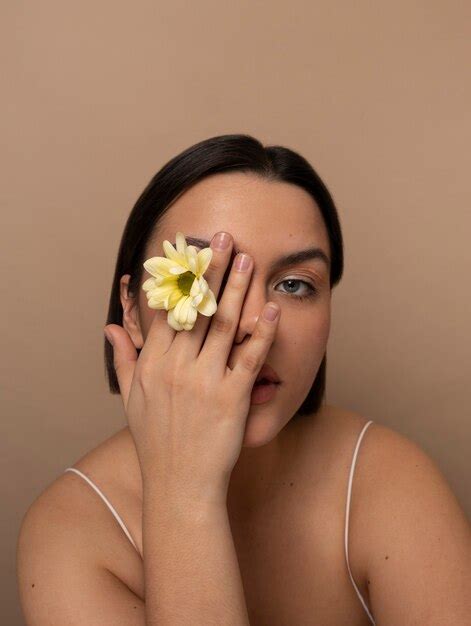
(164, 291)
(204, 259)
(171, 299)
(157, 281)
(148, 284)
(192, 315)
(172, 321)
(171, 253)
(155, 304)
(191, 259)
(177, 269)
(208, 306)
(178, 309)
(158, 265)
(195, 288)
(186, 310)
(197, 299)
(174, 297)
(198, 291)
(204, 287)
(181, 243)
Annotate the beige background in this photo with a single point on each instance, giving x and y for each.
(100, 94)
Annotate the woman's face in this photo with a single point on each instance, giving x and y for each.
(267, 220)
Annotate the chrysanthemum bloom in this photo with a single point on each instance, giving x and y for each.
(177, 284)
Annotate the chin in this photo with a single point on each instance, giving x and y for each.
(260, 430)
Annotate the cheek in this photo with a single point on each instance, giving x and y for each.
(321, 329)
(305, 333)
(303, 344)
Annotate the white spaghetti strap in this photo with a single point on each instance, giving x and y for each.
(347, 515)
(106, 501)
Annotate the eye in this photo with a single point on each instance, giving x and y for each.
(310, 290)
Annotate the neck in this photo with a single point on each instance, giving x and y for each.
(260, 471)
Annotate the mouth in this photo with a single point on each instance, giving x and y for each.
(263, 391)
(264, 381)
(267, 376)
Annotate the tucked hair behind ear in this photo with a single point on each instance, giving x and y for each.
(224, 153)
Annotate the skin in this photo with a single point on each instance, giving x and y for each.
(245, 206)
(409, 539)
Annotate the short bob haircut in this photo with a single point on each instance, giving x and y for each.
(224, 153)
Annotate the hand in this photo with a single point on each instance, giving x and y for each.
(186, 409)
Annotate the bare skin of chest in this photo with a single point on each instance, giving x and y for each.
(293, 568)
(290, 549)
(291, 560)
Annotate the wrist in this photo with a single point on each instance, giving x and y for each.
(181, 501)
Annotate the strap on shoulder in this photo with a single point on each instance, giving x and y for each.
(347, 515)
(106, 501)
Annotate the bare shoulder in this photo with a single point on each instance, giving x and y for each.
(71, 560)
(409, 536)
(68, 534)
(69, 506)
(393, 470)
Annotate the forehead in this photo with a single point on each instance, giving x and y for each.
(260, 214)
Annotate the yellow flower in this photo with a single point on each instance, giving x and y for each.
(177, 284)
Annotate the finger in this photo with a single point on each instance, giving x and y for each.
(220, 338)
(214, 275)
(124, 358)
(251, 360)
(159, 338)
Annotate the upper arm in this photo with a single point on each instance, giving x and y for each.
(58, 580)
(414, 538)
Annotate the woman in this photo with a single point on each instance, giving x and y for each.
(227, 501)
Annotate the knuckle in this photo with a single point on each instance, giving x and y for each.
(145, 383)
(217, 265)
(262, 332)
(119, 368)
(251, 363)
(238, 279)
(144, 370)
(222, 324)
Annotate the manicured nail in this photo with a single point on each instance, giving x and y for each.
(242, 262)
(270, 313)
(220, 241)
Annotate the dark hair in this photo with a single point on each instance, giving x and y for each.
(224, 153)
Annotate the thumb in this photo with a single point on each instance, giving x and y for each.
(124, 358)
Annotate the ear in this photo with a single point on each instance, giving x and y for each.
(130, 312)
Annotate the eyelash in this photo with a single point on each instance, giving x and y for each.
(312, 290)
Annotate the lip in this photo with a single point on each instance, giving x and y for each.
(263, 393)
(269, 373)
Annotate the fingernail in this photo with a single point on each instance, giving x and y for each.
(242, 262)
(220, 241)
(109, 336)
(270, 313)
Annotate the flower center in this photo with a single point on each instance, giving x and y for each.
(185, 282)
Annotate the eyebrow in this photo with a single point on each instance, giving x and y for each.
(292, 258)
